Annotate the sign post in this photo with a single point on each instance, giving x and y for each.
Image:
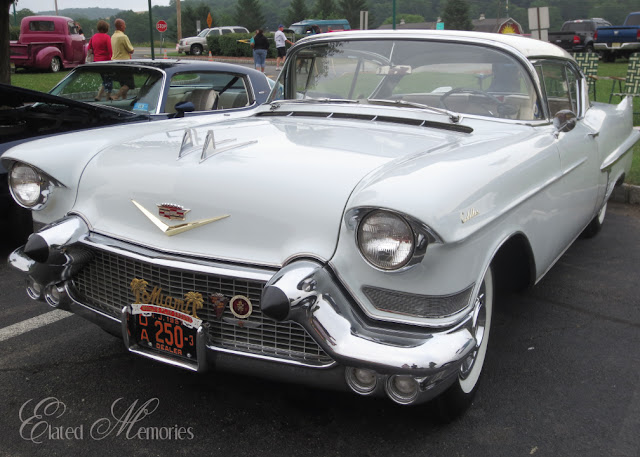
(153, 55)
(161, 26)
(539, 22)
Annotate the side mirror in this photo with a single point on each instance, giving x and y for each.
(564, 121)
(184, 107)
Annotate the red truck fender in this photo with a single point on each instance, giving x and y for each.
(44, 58)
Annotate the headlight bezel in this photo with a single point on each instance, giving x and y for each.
(44, 183)
(422, 235)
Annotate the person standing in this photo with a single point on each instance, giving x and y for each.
(122, 50)
(100, 45)
(281, 43)
(260, 47)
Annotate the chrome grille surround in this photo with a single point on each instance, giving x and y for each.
(104, 284)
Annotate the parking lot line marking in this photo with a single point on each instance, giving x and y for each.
(32, 324)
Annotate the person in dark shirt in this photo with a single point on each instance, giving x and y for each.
(260, 46)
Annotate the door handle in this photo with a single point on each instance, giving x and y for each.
(593, 135)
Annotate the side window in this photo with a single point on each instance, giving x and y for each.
(72, 28)
(208, 91)
(560, 85)
(225, 31)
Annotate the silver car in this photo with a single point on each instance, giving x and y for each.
(196, 45)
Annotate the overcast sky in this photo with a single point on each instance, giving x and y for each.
(50, 5)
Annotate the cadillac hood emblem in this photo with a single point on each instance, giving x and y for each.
(172, 211)
(171, 230)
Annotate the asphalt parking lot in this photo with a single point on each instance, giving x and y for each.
(561, 380)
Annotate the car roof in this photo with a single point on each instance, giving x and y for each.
(176, 65)
(529, 47)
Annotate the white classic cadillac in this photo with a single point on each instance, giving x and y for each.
(350, 233)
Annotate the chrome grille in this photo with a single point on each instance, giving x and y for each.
(104, 284)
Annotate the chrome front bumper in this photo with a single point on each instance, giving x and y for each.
(305, 292)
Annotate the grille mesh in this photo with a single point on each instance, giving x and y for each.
(104, 284)
(417, 305)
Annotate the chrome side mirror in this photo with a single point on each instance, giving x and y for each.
(564, 121)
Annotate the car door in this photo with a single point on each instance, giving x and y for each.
(580, 188)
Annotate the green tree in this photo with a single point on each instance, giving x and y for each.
(323, 9)
(408, 18)
(249, 14)
(297, 11)
(350, 10)
(456, 15)
(5, 63)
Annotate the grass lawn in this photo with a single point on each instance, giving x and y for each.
(45, 81)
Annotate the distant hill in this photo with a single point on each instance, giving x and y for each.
(89, 13)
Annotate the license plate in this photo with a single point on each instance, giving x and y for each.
(615, 45)
(170, 333)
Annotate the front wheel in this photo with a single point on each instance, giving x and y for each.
(457, 398)
(196, 50)
(55, 65)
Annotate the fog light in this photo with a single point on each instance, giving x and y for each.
(361, 380)
(34, 290)
(402, 389)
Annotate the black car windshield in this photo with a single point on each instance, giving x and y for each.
(458, 77)
(135, 89)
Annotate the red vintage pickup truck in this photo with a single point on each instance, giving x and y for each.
(48, 42)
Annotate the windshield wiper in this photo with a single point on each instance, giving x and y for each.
(455, 117)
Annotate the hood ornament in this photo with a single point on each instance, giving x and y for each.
(171, 230)
(210, 146)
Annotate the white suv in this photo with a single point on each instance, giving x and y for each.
(196, 45)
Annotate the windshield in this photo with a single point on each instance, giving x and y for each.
(129, 88)
(458, 77)
(203, 34)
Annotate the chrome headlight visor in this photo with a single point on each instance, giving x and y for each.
(389, 240)
(29, 187)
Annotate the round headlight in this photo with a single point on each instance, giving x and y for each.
(26, 185)
(385, 240)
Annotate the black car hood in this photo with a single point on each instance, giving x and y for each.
(26, 114)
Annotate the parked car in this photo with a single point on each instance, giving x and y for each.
(324, 25)
(48, 42)
(158, 89)
(577, 35)
(619, 41)
(196, 45)
(351, 233)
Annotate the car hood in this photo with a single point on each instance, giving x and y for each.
(283, 185)
(26, 114)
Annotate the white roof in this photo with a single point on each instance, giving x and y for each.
(529, 47)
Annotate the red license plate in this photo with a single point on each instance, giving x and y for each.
(164, 330)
